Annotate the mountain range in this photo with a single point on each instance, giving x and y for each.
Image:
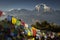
(31, 16)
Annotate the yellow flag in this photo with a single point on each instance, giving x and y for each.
(33, 38)
(33, 28)
(14, 20)
(29, 33)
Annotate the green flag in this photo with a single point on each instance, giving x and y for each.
(18, 23)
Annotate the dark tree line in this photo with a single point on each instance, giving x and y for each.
(47, 26)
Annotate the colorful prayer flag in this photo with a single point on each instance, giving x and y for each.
(18, 23)
(9, 18)
(34, 31)
(14, 20)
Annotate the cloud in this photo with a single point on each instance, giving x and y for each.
(37, 7)
(10, 9)
(14, 9)
(45, 7)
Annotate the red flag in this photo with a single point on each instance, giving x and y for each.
(1, 13)
(23, 23)
(34, 31)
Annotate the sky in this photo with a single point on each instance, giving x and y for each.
(27, 4)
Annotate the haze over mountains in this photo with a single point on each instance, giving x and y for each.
(40, 13)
